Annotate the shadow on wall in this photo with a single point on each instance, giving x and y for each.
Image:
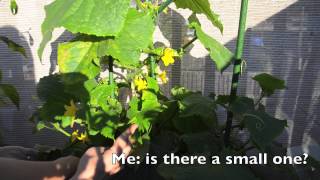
(19, 71)
(285, 45)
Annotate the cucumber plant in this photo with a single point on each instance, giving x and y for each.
(84, 104)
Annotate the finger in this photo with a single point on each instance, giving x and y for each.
(122, 141)
(132, 128)
(115, 170)
(130, 131)
(95, 151)
(126, 150)
(101, 150)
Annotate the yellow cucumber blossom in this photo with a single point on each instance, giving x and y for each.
(149, 5)
(140, 83)
(168, 56)
(81, 137)
(163, 77)
(70, 110)
(165, 11)
(74, 135)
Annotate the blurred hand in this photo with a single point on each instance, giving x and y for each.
(96, 163)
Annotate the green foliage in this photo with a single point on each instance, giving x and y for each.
(201, 7)
(197, 114)
(13, 7)
(263, 128)
(100, 18)
(78, 57)
(218, 53)
(135, 36)
(209, 142)
(81, 103)
(269, 83)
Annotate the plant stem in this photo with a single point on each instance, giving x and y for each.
(236, 67)
(152, 60)
(152, 66)
(260, 99)
(59, 129)
(111, 81)
(189, 43)
(139, 4)
(164, 5)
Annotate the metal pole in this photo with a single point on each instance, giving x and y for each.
(236, 66)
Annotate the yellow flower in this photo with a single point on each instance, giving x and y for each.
(74, 135)
(140, 83)
(144, 5)
(163, 77)
(70, 110)
(81, 137)
(168, 56)
(165, 11)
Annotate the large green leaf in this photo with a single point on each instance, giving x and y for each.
(263, 128)
(198, 105)
(93, 17)
(153, 84)
(105, 122)
(10, 92)
(242, 105)
(149, 111)
(57, 91)
(201, 7)
(100, 94)
(197, 114)
(13, 46)
(221, 55)
(108, 132)
(136, 35)
(269, 83)
(150, 102)
(203, 142)
(78, 57)
(193, 18)
(63, 88)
